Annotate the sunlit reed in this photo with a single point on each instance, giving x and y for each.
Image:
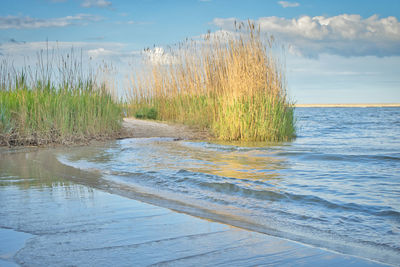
(231, 84)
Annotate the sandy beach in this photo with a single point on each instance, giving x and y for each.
(135, 128)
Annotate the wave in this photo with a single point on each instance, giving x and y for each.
(340, 157)
(309, 200)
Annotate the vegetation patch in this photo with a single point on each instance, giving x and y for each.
(146, 113)
(36, 109)
(231, 84)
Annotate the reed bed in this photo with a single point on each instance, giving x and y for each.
(230, 84)
(54, 104)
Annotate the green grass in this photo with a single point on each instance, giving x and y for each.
(255, 119)
(146, 113)
(40, 111)
(233, 86)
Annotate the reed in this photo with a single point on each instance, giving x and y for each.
(230, 84)
(54, 104)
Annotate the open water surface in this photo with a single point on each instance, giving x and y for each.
(337, 186)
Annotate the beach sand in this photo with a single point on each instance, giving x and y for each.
(147, 128)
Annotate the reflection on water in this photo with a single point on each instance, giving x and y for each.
(21, 169)
(165, 155)
(30, 170)
(253, 165)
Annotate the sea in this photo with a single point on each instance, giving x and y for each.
(335, 186)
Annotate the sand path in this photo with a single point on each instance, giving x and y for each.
(146, 128)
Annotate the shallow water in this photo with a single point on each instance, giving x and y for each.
(54, 215)
(337, 186)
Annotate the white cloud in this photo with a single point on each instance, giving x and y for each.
(115, 51)
(16, 22)
(286, 4)
(100, 52)
(346, 35)
(96, 3)
(158, 56)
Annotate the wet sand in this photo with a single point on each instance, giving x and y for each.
(56, 215)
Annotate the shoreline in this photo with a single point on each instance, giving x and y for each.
(131, 128)
(141, 128)
(79, 223)
(360, 105)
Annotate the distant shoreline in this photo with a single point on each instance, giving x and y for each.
(347, 105)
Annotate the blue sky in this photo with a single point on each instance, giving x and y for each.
(337, 51)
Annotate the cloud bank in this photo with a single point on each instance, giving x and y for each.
(344, 35)
(17, 22)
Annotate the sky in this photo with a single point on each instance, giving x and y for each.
(343, 51)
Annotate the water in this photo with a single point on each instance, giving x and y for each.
(337, 186)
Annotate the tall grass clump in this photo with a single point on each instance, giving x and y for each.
(229, 83)
(47, 104)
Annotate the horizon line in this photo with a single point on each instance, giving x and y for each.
(354, 105)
